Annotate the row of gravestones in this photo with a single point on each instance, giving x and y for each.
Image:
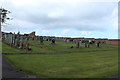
(16, 40)
(79, 42)
(20, 41)
(47, 39)
(43, 38)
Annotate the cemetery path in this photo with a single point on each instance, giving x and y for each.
(9, 72)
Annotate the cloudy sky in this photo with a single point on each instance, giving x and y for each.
(68, 18)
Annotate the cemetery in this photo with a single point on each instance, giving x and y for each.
(59, 57)
(56, 57)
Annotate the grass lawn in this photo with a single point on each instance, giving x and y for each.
(74, 65)
(77, 63)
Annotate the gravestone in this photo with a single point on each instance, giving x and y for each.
(24, 43)
(78, 44)
(86, 42)
(18, 39)
(21, 42)
(89, 41)
(68, 40)
(53, 41)
(5, 36)
(41, 40)
(9, 39)
(98, 44)
(27, 46)
(75, 41)
(13, 41)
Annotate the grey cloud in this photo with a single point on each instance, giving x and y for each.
(82, 16)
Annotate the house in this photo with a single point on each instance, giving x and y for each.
(31, 34)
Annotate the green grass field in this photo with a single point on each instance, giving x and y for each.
(77, 63)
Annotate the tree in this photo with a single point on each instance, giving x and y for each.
(3, 16)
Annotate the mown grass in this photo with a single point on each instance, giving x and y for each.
(98, 64)
(82, 62)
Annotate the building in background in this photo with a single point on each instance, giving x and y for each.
(31, 34)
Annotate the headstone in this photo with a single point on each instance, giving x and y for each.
(21, 42)
(9, 38)
(41, 40)
(5, 36)
(13, 41)
(27, 46)
(16, 41)
(53, 41)
(85, 43)
(89, 43)
(78, 43)
(24, 43)
(67, 40)
(98, 44)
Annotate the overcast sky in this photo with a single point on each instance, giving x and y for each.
(68, 18)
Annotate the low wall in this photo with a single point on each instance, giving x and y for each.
(113, 41)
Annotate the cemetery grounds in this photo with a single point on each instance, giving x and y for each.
(61, 61)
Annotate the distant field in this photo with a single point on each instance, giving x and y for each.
(90, 62)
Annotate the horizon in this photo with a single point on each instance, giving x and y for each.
(61, 36)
